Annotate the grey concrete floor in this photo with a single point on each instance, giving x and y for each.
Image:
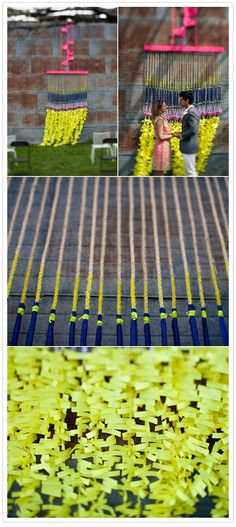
(69, 262)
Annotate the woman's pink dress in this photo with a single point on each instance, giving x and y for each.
(161, 149)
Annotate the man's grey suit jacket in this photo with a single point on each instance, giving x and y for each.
(190, 125)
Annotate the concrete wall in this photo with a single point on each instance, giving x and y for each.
(152, 25)
(34, 49)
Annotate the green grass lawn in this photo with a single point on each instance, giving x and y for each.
(61, 161)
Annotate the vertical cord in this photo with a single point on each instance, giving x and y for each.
(223, 328)
(73, 316)
(217, 223)
(52, 316)
(146, 318)
(85, 316)
(22, 235)
(21, 308)
(119, 320)
(134, 315)
(191, 313)
(98, 339)
(35, 308)
(15, 211)
(197, 264)
(175, 328)
(222, 208)
(163, 315)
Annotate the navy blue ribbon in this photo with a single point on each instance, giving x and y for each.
(98, 338)
(62, 98)
(223, 328)
(84, 329)
(206, 338)
(119, 331)
(193, 326)
(163, 328)
(31, 330)
(147, 330)
(50, 332)
(72, 330)
(133, 330)
(175, 328)
(16, 329)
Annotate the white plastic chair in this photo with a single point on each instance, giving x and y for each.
(98, 138)
(11, 139)
(115, 145)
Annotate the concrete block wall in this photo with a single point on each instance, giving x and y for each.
(152, 25)
(34, 49)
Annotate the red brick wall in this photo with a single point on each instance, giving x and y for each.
(34, 49)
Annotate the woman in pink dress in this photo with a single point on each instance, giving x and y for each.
(161, 149)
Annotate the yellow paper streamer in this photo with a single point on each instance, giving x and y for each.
(129, 432)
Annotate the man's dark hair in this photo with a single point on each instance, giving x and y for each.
(187, 95)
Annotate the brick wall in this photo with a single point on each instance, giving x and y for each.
(33, 50)
(152, 25)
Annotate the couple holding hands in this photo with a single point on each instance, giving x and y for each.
(188, 137)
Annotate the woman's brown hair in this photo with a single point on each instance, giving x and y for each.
(156, 108)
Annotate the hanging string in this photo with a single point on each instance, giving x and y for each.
(22, 235)
(52, 316)
(146, 317)
(213, 271)
(166, 73)
(98, 338)
(191, 313)
(119, 320)
(173, 314)
(35, 308)
(163, 314)
(73, 316)
(85, 316)
(222, 209)
(21, 307)
(134, 314)
(197, 264)
(226, 182)
(218, 227)
(15, 211)
(143, 216)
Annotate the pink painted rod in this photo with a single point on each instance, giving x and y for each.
(59, 72)
(192, 49)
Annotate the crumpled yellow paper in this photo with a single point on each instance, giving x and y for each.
(117, 432)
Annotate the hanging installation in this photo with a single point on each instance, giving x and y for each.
(67, 97)
(169, 69)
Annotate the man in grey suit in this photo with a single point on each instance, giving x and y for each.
(189, 136)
